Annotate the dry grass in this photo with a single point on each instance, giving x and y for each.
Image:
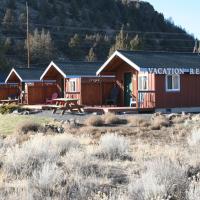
(111, 118)
(138, 121)
(93, 163)
(159, 121)
(94, 121)
(29, 126)
(8, 123)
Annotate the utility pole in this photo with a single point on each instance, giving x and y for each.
(27, 39)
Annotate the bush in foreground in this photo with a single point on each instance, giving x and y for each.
(26, 127)
(6, 109)
(111, 118)
(163, 179)
(94, 121)
(112, 146)
(194, 138)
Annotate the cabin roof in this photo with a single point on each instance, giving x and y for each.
(150, 59)
(79, 68)
(145, 59)
(27, 74)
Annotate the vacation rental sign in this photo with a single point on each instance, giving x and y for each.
(166, 71)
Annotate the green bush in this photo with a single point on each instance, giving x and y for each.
(5, 109)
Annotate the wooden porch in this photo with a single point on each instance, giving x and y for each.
(144, 103)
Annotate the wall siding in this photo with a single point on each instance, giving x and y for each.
(189, 95)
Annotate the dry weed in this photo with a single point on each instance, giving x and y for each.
(94, 121)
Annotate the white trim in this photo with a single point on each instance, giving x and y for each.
(52, 64)
(143, 75)
(70, 81)
(37, 81)
(80, 76)
(166, 83)
(117, 53)
(13, 71)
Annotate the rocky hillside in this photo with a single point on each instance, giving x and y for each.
(83, 30)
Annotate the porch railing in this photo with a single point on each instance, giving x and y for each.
(73, 95)
(146, 99)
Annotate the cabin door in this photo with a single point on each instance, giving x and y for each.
(128, 88)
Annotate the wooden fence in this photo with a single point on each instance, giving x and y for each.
(7, 90)
(37, 93)
(95, 91)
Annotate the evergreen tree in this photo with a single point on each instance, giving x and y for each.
(41, 46)
(135, 43)
(8, 19)
(121, 42)
(91, 56)
(75, 49)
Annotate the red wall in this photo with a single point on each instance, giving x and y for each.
(189, 95)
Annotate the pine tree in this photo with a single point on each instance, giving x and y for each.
(121, 42)
(75, 41)
(75, 49)
(41, 46)
(135, 43)
(91, 56)
(8, 19)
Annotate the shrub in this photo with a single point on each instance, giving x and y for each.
(138, 121)
(162, 179)
(193, 192)
(111, 118)
(26, 127)
(159, 122)
(46, 181)
(6, 109)
(23, 160)
(64, 143)
(95, 121)
(112, 146)
(194, 139)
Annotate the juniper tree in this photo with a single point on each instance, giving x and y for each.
(8, 19)
(41, 46)
(91, 55)
(121, 42)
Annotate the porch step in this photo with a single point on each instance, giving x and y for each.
(103, 110)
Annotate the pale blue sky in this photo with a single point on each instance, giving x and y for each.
(185, 13)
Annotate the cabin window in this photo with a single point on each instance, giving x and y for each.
(173, 82)
(142, 82)
(72, 85)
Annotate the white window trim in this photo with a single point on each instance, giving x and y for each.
(72, 80)
(166, 83)
(143, 75)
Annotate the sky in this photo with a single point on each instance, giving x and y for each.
(185, 13)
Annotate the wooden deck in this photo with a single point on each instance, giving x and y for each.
(103, 110)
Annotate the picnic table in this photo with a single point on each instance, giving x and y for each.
(9, 101)
(65, 104)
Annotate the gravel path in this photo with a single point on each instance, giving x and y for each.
(81, 117)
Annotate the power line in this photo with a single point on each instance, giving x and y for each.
(27, 33)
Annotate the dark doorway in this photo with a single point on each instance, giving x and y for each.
(128, 88)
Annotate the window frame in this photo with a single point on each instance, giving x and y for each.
(142, 76)
(166, 83)
(70, 82)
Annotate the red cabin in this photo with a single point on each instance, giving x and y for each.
(160, 81)
(78, 80)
